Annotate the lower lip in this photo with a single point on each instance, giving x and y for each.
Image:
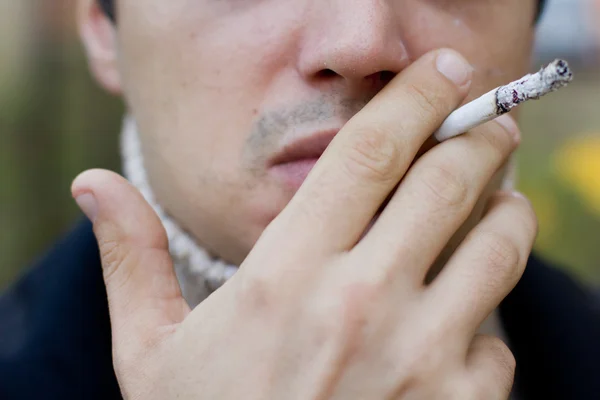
(293, 174)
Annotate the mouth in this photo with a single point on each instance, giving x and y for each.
(294, 162)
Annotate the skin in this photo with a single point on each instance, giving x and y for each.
(217, 87)
(215, 94)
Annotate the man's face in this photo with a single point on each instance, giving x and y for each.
(236, 99)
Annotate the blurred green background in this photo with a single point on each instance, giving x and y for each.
(54, 123)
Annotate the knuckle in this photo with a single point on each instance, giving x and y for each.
(527, 217)
(112, 255)
(501, 254)
(114, 249)
(503, 357)
(444, 186)
(499, 140)
(499, 369)
(373, 153)
(421, 363)
(257, 294)
(426, 101)
(348, 321)
(157, 239)
(356, 300)
(358, 296)
(519, 211)
(418, 359)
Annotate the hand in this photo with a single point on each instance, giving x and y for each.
(320, 309)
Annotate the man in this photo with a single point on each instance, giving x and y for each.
(292, 139)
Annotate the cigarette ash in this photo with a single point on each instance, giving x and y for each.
(533, 86)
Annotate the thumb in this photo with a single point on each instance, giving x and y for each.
(143, 292)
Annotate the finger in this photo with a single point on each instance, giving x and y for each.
(490, 368)
(373, 151)
(435, 198)
(486, 266)
(143, 292)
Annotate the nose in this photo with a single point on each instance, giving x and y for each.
(354, 40)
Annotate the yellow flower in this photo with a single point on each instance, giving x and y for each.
(578, 165)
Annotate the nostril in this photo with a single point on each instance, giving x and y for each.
(380, 78)
(386, 76)
(327, 73)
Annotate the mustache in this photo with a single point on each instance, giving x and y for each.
(272, 127)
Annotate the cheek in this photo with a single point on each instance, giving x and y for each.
(495, 38)
(212, 68)
(196, 85)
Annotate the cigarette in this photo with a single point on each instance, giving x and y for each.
(504, 98)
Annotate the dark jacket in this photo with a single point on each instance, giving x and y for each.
(55, 331)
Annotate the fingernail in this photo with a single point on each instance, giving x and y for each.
(519, 195)
(508, 123)
(89, 206)
(454, 67)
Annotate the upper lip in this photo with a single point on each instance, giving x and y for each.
(311, 146)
